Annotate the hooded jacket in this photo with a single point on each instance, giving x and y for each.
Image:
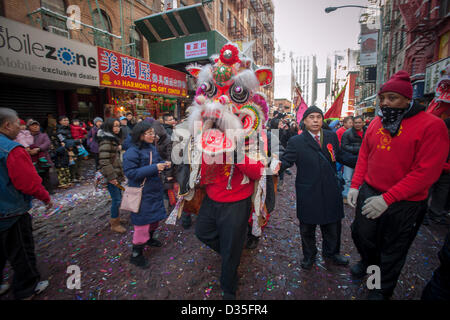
(109, 156)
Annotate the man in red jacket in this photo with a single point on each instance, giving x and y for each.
(402, 155)
(19, 183)
(223, 217)
(439, 193)
(348, 123)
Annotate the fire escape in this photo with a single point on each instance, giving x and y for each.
(54, 20)
(422, 35)
(236, 29)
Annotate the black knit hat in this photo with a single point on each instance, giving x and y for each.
(312, 109)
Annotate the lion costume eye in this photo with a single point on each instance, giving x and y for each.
(239, 94)
(210, 89)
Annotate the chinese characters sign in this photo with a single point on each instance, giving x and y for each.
(196, 49)
(120, 71)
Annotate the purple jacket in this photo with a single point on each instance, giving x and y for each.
(92, 140)
(42, 141)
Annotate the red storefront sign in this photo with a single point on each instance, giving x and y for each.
(117, 70)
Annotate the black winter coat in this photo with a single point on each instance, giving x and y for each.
(64, 133)
(351, 141)
(319, 198)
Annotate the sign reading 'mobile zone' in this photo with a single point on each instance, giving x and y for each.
(31, 52)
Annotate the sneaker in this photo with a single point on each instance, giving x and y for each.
(40, 287)
(4, 288)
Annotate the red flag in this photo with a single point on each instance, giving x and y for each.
(336, 108)
(299, 104)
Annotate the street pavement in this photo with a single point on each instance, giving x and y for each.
(78, 233)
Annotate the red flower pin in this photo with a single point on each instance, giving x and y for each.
(331, 151)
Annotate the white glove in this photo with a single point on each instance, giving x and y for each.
(374, 207)
(352, 196)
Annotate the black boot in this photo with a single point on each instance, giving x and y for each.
(252, 242)
(359, 270)
(376, 295)
(137, 257)
(186, 220)
(228, 296)
(307, 263)
(340, 260)
(153, 242)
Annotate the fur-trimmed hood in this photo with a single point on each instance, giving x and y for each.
(103, 135)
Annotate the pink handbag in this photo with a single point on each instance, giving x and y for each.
(132, 196)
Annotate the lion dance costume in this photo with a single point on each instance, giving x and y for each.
(224, 155)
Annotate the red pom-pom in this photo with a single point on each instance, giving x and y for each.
(230, 60)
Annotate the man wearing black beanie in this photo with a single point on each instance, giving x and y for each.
(319, 200)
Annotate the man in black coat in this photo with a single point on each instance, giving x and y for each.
(351, 142)
(319, 199)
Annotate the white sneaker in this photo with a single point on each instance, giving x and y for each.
(41, 286)
(4, 288)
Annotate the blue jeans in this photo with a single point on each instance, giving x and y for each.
(348, 175)
(116, 197)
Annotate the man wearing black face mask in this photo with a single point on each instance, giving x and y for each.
(402, 155)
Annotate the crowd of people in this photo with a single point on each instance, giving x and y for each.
(393, 169)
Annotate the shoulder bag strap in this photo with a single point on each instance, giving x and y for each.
(151, 160)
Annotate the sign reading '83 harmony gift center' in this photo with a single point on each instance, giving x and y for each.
(31, 52)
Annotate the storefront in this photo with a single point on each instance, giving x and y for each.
(140, 87)
(367, 107)
(140, 104)
(45, 72)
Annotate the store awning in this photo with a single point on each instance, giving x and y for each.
(174, 52)
(175, 23)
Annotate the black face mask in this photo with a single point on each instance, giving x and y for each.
(391, 118)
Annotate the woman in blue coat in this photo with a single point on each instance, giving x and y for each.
(142, 161)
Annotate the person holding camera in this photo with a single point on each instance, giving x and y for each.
(142, 165)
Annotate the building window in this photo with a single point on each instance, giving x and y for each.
(229, 18)
(402, 39)
(135, 48)
(50, 22)
(101, 21)
(221, 11)
(444, 8)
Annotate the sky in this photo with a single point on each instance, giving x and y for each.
(303, 27)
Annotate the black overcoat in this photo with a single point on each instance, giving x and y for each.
(319, 198)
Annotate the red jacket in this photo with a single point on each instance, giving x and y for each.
(406, 166)
(78, 132)
(24, 176)
(215, 177)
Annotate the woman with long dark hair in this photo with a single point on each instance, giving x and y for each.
(142, 164)
(111, 167)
